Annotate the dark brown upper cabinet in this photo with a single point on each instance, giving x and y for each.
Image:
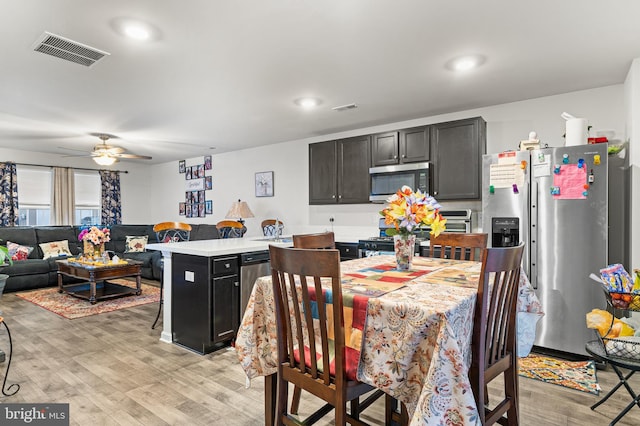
(339, 171)
(457, 148)
(404, 146)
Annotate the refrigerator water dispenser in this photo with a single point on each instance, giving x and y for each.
(505, 231)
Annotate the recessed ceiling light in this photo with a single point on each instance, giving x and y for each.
(308, 103)
(465, 63)
(135, 29)
(137, 32)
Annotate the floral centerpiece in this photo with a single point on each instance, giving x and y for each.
(94, 239)
(408, 211)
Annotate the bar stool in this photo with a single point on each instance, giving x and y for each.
(6, 392)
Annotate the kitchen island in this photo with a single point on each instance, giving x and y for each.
(198, 263)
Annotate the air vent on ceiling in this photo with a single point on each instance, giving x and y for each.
(345, 107)
(68, 50)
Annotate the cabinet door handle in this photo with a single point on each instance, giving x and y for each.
(435, 192)
(395, 157)
(333, 196)
(227, 265)
(236, 283)
(339, 196)
(404, 156)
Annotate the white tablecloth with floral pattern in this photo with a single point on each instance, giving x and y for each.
(416, 343)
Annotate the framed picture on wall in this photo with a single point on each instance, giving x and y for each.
(187, 210)
(181, 207)
(187, 174)
(207, 162)
(208, 208)
(264, 184)
(208, 182)
(182, 168)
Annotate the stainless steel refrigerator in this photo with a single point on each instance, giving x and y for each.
(555, 201)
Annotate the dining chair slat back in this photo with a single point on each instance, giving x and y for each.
(323, 240)
(458, 245)
(298, 297)
(493, 344)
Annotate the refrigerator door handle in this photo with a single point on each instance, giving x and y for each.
(533, 254)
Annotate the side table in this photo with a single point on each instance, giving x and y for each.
(595, 349)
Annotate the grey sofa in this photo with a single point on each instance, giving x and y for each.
(36, 272)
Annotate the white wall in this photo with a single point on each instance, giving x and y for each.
(632, 105)
(136, 195)
(233, 173)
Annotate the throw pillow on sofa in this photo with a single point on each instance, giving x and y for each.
(55, 249)
(17, 251)
(135, 244)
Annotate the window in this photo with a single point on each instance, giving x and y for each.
(88, 203)
(34, 196)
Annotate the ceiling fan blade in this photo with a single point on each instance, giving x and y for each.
(73, 149)
(139, 157)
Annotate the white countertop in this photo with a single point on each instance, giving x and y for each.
(218, 247)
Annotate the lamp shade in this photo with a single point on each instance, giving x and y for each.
(240, 210)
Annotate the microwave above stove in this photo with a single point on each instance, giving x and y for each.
(386, 180)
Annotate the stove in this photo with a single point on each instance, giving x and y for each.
(457, 221)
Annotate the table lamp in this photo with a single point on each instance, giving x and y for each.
(240, 210)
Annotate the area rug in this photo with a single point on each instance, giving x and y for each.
(578, 375)
(72, 307)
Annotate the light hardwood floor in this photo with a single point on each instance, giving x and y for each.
(112, 370)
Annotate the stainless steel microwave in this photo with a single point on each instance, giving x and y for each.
(387, 180)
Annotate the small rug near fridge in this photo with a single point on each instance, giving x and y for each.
(578, 375)
(72, 307)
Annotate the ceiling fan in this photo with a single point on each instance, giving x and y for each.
(106, 155)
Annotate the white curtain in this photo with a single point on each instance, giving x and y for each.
(63, 198)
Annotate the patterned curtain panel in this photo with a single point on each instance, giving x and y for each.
(8, 195)
(111, 205)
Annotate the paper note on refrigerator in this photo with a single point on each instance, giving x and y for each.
(571, 180)
(505, 175)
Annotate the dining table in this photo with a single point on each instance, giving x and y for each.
(411, 332)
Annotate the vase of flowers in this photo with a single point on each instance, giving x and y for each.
(408, 212)
(93, 239)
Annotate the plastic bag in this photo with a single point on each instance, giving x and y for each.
(616, 278)
(601, 320)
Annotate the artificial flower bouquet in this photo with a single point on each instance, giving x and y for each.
(95, 235)
(408, 210)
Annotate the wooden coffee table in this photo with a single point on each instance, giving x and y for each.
(97, 275)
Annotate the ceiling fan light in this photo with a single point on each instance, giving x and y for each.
(104, 160)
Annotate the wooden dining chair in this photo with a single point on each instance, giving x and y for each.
(325, 378)
(493, 344)
(323, 240)
(168, 232)
(458, 245)
(230, 229)
(269, 228)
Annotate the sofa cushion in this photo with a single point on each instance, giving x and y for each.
(18, 252)
(135, 244)
(46, 234)
(55, 249)
(23, 235)
(26, 267)
(204, 231)
(119, 235)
